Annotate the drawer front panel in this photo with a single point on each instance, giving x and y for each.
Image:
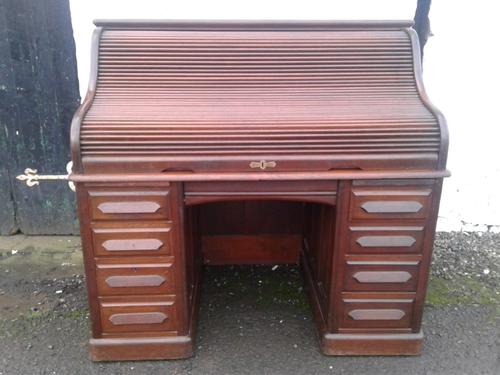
(377, 313)
(128, 316)
(129, 205)
(380, 276)
(134, 279)
(121, 241)
(385, 239)
(390, 203)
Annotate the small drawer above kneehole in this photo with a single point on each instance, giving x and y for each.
(129, 204)
(138, 314)
(114, 239)
(379, 276)
(390, 203)
(134, 279)
(385, 239)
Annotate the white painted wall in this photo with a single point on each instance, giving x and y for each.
(461, 74)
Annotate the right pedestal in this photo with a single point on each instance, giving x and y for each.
(373, 300)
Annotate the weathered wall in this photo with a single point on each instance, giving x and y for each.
(38, 95)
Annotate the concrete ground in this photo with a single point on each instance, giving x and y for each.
(253, 320)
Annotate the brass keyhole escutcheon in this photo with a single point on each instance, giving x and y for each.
(262, 164)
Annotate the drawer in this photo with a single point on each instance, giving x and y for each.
(390, 203)
(385, 239)
(377, 313)
(138, 314)
(135, 278)
(116, 239)
(129, 204)
(361, 276)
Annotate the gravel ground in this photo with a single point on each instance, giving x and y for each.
(465, 268)
(253, 320)
(469, 255)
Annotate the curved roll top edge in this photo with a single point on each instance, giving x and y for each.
(443, 126)
(82, 110)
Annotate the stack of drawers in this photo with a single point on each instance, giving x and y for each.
(131, 234)
(382, 284)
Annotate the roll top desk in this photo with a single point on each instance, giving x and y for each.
(308, 143)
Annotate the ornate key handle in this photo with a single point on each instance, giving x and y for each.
(262, 164)
(32, 178)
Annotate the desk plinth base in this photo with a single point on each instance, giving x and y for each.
(130, 349)
(371, 344)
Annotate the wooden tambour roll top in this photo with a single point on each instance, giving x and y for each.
(244, 96)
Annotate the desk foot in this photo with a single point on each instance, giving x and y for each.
(131, 349)
(371, 344)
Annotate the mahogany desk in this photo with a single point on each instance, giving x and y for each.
(257, 142)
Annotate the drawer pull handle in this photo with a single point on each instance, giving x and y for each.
(138, 318)
(386, 207)
(135, 281)
(129, 207)
(146, 244)
(382, 276)
(377, 314)
(386, 241)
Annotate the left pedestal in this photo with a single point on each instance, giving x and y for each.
(142, 291)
